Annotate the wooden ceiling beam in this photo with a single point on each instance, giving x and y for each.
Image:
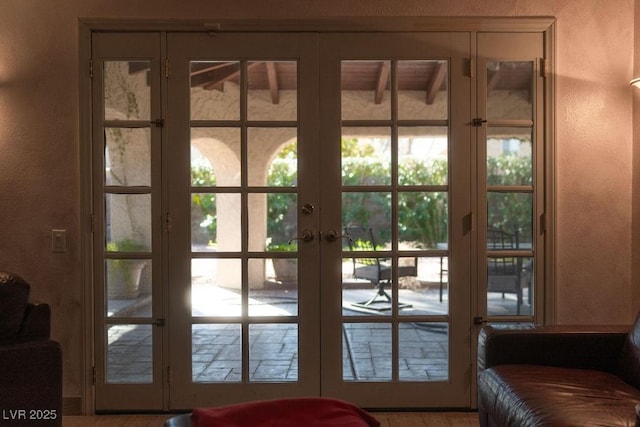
(381, 84)
(214, 76)
(137, 66)
(215, 66)
(272, 77)
(493, 81)
(436, 81)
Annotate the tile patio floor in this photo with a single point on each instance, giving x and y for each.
(273, 355)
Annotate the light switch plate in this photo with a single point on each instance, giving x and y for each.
(58, 240)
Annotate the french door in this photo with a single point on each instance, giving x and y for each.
(128, 245)
(242, 116)
(291, 214)
(391, 139)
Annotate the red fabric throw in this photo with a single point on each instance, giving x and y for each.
(296, 412)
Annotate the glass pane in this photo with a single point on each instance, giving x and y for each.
(423, 285)
(509, 90)
(366, 352)
(128, 222)
(216, 353)
(273, 287)
(215, 157)
(509, 286)
(369, 210)
(279, 211)
(215, 90)
(366, 156)
(273, 352)
(271, 140)
(511, 214)
(423, 219)
(129, 354)
(215, 222)
(128, 289)
(366, 284)
(423, 351)
(272, 90)
(366, 90)
(127, 156)
(423, 156)
(281, 272)
(427, 291)
(283, 170)
(422, 90)
(127, 94)
(216, 285)
(366, 238)
(509, 156)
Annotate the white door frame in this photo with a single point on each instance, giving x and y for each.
(543, 25)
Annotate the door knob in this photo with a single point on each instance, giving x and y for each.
(333, 235)
(307, 209)
(307, 236)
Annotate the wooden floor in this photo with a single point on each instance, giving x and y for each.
(387, 419)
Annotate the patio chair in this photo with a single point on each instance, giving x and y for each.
(376, 270)
(504, 273)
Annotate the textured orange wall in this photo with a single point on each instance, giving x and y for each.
(635, 258)
(594, 162)
(39, 139)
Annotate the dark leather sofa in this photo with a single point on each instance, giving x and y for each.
(559, 376)
(30, 362)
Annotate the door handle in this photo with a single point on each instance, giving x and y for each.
(307, 236)
(333, 235)
(479, 320)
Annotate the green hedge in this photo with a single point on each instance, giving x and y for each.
(422, 216)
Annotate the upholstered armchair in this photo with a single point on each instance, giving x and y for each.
(31, 363)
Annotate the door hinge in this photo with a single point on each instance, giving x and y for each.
(169, 375)
(92, 223)
(543, 222)
(467, 223)
(166, 68)
(157, 123)
(93, 375)
(478, 121)
(167, 222)
(472, 68)
(160, 322)
(91, 68)
(544, 67)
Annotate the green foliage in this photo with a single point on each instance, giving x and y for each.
(205, 214)
(126, 245)
(413, 172)
(362, 171)
(371, 209)
(203, 176)
(422, 215)
(282, 247)
(423, 218)
(509, 211)
(352, 148)
(509, 170)
(281, 207)
(282, 174)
